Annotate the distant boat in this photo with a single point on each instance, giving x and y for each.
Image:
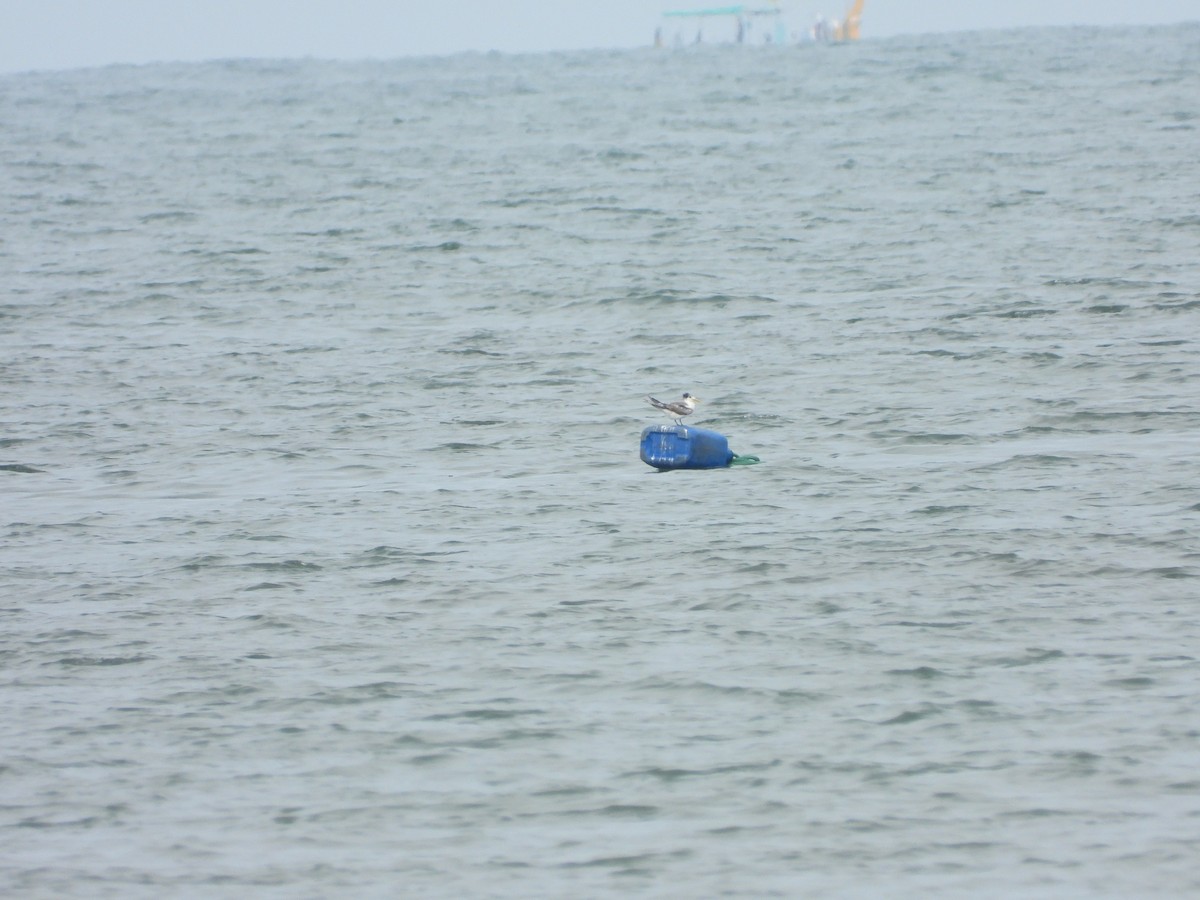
(848, 29)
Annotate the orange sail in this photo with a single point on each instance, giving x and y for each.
(852, 21)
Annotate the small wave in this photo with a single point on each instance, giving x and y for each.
(460, 447)
(1033, 656)
(471, 351)
(485, 713)
(102, 660)
(1180, 306)
(671, 297)
(1134, 682)
(1172, 572)
(1027, 460)
(618, 811)
(177, 215)
(668, 774)
(1100, 281)
(20, 468)
(913, 715)
(1186, 221)
(639, 863)
(924, 673)
(286, 565)
(938, 438)
(1026, 313)
(443, 247)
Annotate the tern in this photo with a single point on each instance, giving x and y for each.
(678, 409)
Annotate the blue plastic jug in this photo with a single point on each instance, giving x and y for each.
(685, 447)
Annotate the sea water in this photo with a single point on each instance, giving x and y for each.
(329, 567)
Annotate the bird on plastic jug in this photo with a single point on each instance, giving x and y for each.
(678, 409)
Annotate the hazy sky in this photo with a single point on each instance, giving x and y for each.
(55, 34)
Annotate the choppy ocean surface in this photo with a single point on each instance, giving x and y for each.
(329, 566)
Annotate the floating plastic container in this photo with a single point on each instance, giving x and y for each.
(685, 447)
